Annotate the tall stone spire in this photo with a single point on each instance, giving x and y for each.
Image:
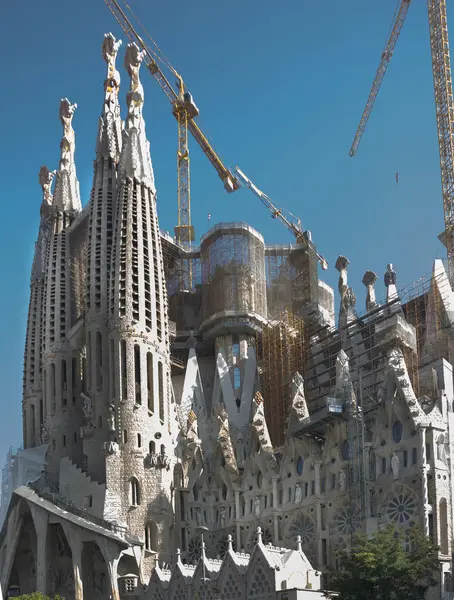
(138, 331)
(135, 160)
(66, 194)
(110, 124)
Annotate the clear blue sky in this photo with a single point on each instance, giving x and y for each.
(280, 86)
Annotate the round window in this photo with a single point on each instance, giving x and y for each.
(397, 431)
(300, 465)
(345, 450)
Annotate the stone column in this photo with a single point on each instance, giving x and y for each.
(275, 513)
(112, 557)
(237, 520)
(13, 532)
(424, 486)
(40, 520)
(75, 544)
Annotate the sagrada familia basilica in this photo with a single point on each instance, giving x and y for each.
(223, 439)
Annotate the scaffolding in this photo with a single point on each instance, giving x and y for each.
(281, 351)
(233, 272)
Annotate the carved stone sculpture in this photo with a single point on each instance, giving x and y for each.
(87, 407)
(395, 464)
(342, 481)
(298, 493)
(45, 181)
(67, 111)
(257, 507)
(223, 516)
(44, 435)
(134, 99)
(111, 418)
(298, 411)
(198, 515)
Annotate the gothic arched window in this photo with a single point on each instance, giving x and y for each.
(151, 536)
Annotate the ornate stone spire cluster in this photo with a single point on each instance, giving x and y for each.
(66, 194)
(110, 125)
(135, 162)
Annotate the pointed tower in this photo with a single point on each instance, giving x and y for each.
(99, 247)
(65, 206)
(142, 445)
(33, 404)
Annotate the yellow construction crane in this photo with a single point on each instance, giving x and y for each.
(441, 69)
(294, 225)
(184, 109)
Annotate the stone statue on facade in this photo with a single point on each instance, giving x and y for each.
(134, 98)
(87, 407)
(44, 435)
(257, 506)
(198, 516)
(45, 181)
(298, 493)
(342, 481)
(347, 296)
(67, 111)
(111, 426)
(395, 464)
(223, 516)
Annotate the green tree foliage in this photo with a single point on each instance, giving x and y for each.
(387, 566)
(38, 596)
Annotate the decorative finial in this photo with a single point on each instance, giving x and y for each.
(178, 556)
(229, 543)
(45, 181)
(66, 113)
(348, 298)
(369, 280)
(390, 280)
(134, 99)
(259, 535)
(299, 546)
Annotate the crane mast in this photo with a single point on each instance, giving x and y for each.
(442, 78)
(184, 110)
(276, 213)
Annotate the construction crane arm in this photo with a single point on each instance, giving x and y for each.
(276, 213)
(398, 21)
(151, 59)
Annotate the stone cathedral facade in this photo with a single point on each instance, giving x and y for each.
(231, 433)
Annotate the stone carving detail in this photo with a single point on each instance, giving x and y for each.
(111, 448)
(45, 181)
(226, 442)
(44, 435)
(223, 516)
(87, 407)
(109, 143)
(299, 411)
(86, 431)
(257, 507)
(344, 385)
(390, 280)
(395, 464)
(111, 425)
(66, 194)
(369, 280)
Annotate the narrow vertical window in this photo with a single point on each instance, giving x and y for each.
(41, 413)
(46, 399)
(161, 392)
(135, 492)
(139, 441)
(24, 417)
(137, 384)
(33, 430)
(125, 436)
(236, 378)
(64, 382)
(88, 372)
(74, 379)
(152, 447)
(98, 360)
(112, 367)
(52, 388)
(124, 374)
(150, 381)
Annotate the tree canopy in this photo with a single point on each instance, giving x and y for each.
(38, 596)
(389, 565)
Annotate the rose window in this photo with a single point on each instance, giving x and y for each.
(347, 520)
(194, 551)
(304, 527)
(402, 507)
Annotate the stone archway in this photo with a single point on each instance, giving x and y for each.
(60, 573)
(23, 571)
(95, 574)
